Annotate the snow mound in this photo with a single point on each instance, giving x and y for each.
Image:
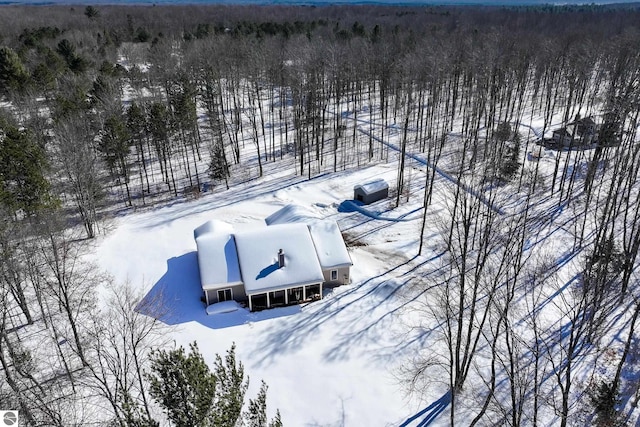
(223, 307)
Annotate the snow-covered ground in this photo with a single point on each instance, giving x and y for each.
(330, 362)
(340, 361)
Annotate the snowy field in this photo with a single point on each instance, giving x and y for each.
(342, 361)
(338, 361)
(331, 362)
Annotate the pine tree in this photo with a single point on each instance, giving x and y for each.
(191, 395)
(13, 73)
(230, 389)
(23, 185)
(183, 385)
(256, 414)
(115, 148)
(133, 414)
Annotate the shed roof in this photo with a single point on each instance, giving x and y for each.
(217, 255)
(258, 255)
(373, 186)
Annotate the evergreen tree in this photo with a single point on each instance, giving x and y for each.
(22, 165)
(230, 389)
(183, 385)
(114, 146)
(191, 395)
(256, 414)
(133, 414)
(91, 12)
(13, 73)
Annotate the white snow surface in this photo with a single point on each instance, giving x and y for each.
(330, 362)
(290, 214)
(223, 307)
(258, 253)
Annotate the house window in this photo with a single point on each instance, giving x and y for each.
(276, 298)
(313, 292)
(224, 295)
(334, 275)
(294, 295)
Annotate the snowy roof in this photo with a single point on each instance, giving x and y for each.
(329, 244)
(258, 253)
(290, 214)
(213, 227)
(373, 186)
(326, 235)
(586, 121)
(217, 255)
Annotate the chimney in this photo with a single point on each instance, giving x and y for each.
(280, 258)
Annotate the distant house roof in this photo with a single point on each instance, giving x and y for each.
(258, 255)
(217, 255)
(586, 121)
(563, 132)
(326, 235)
(373, 186)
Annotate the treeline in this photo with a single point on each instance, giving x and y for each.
(285, 81)
(107, 107)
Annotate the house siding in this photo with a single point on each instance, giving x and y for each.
(237, 292)
(344, 276)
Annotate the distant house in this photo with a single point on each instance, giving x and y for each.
(371, 191)
(580, 132)
(585, 127)
(286, 262)
(535, 154)
(563, 137)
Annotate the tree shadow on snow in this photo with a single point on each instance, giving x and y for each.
(429, 414)
(362, 313)
(176, 299)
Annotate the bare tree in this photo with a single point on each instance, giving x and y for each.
(119, 354)
(75, 154)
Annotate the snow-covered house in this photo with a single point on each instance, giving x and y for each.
(283, 263)
(371, 191)
(279, 265)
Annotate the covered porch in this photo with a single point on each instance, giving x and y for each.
(284, 297)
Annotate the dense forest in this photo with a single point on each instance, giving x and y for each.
(107, 109)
